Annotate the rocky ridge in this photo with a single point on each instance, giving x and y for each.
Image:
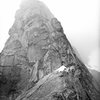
(34, 52)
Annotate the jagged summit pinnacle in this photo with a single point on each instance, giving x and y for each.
(33, 55)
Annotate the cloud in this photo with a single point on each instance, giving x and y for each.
(94, 59)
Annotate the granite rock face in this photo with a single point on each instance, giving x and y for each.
(33, 55)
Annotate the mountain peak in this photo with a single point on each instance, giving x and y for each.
(39, 63)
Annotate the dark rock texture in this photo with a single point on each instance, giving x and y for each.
(30, 61)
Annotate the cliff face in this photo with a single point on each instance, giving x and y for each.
(30, 61)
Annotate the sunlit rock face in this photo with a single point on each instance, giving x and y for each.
(39, 63)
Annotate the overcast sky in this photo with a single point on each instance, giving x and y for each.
(79, 18)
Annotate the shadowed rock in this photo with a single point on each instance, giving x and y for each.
(30, 61)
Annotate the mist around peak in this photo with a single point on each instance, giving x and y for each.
(35, 7)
